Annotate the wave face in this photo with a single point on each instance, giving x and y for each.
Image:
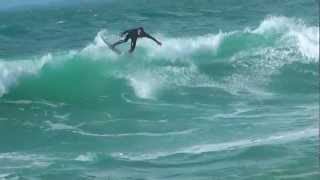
(243, 100)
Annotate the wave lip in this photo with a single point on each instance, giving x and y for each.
(11, 71)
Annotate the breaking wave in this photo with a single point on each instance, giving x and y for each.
(239, 62)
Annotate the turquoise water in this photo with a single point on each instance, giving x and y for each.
(231, 94)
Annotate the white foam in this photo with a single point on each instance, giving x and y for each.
(60, 22)
(62, 126)
(308, 42)
(307, 38)
(62, 116)
(59, 126)
(255, 69)
(274, 24)
(233, 145)
(145, 84)
(86, 157)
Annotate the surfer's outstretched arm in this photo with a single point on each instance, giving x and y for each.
(150, 37)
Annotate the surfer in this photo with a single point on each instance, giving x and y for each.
(134, 34)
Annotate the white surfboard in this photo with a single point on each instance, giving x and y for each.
(112, 48)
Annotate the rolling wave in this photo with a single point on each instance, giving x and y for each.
(232, 62)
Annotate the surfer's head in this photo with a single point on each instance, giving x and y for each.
(140, 30)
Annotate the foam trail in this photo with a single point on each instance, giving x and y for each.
(77, 130)
(16, 156)
(274, 139)
(146, 134)
(245, 143)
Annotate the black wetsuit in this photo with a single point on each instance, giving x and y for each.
(134, 34)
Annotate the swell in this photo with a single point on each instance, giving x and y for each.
(251, 61)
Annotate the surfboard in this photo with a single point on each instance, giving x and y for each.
(112, 48)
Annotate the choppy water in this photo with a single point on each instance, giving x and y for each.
(232, 94)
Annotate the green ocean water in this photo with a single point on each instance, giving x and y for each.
(232, 93)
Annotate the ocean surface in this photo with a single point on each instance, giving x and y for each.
(232, 93)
